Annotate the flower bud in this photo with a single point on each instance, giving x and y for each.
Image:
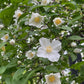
(73, 44)
(12, 41)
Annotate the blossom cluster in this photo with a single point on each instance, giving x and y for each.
(38, 38)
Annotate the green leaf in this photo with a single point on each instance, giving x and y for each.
(75, 37)
(6, 15)
(18, 74)
(2, 69)
(75, 19)
(8, 80)
(73, 56)
(51, 68)
(78, 65)
(2, 44)
(16, 1)
(66, 28)
(30, 74)
(12, 64)
(79, 1)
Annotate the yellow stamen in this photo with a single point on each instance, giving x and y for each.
(19, 14)
(44, 1)
(58, 21)
(37, 19)
(6, 37)
(48, 49)
(51, 78)
(31, 54)
(3, 48)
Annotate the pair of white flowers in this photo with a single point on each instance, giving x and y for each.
(6, 37)
(47, 50)
(37, 20)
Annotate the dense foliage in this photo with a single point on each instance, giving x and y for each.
(22, 35)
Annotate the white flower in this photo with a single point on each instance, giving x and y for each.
(73, 44)
(66, 72)
(73, 82)
(49, 49)
(45, 2)
(36, 20)
(1, 26)
(5, 38)
(58, 21)
(53, 78)
(30, 54)
(12, 41)
(19, 62)
(18, 13)
(77, 50)
(0, 77)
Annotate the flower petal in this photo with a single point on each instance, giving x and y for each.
(44, 42)
(41, 53)
(54, 56)
(56, 45)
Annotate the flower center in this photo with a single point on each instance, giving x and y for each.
(31, 54)
(19, 14)
(48, 49)
(37, 19)
(6, 37)
(3, 48)
(44, 1)
(58, 21)
(52, 78)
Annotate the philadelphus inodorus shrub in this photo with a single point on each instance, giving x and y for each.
(5, 38)
(36, 20)
(45, 2)
(30, 54)
(12, 41)
(18, 13)
(58, 21)
(49, 49)
(53, 78)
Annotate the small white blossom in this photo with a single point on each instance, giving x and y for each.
(53, 78)
(18, 13)
(5, 38)
(73, 44)
(0, 77)
(66, 72)
(12, 41)
(45, 2)
(1, 26)
(73, 82)
(35, 20)
(19, 62)
(77, 50)
(58, 21)
(30, 54)
(49, 49)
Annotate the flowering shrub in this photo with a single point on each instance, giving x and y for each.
(41, 42)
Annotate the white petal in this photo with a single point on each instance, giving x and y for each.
(56, 45)
(54, 56)
(41, 53)
(58, 75)
(44, 42)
